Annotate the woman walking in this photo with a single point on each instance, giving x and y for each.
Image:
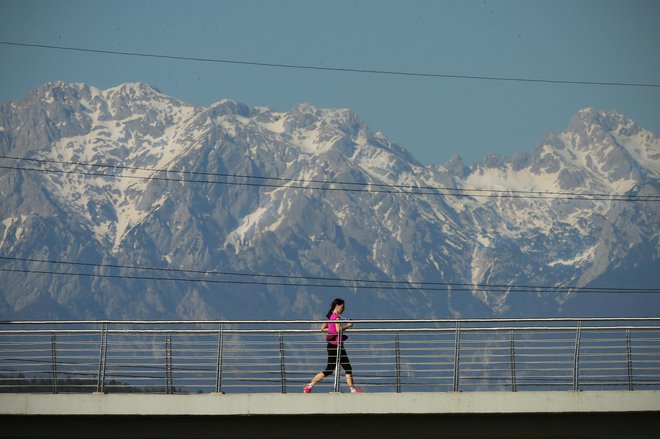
(334, 344)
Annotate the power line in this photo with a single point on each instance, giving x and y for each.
(331, 69)
(412, 287)
(293, 281)
(285, 183)
(299, 180)
(436, 191)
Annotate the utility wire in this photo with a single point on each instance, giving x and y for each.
(330, 69)
(436, 192)
(299, 180)
(386, 188)
(587, 197)
(333, 282)
(448, 288)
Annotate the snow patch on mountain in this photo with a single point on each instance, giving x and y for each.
(12, 230)
(579, 260)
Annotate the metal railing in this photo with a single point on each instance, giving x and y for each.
(281, 356)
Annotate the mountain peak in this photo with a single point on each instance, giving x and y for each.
(61, 91)
(135, 89)
(304, 108)
(607, 120)
(457, 167)
(136, 92)
(226, 107)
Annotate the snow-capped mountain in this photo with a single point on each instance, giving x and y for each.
(127, 203)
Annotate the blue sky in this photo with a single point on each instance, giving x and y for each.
(434, 118)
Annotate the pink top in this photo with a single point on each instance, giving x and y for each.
(332, 329)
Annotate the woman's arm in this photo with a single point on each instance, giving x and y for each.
(341, 327)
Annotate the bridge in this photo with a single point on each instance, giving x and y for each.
(423, 378)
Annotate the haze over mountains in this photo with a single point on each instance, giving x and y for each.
(130, 204)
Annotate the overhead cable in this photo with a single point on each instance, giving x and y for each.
(286, 183)
(232, 277)
(329, 68)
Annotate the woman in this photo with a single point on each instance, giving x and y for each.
(334, 329)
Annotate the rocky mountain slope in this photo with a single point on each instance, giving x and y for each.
(127, 203)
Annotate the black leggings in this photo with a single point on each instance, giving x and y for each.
(332, 360)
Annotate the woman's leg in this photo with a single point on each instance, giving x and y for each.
(329, 368)
(346, 364)
(318, 377)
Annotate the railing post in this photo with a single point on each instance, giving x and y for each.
(397, 357)
(513, 360)
(218, 370)
(103, 352)
(53, 359)
(337, 383)
(282, 365)
(576, 357)
(168, 363)
(457, 355)
(629, 358)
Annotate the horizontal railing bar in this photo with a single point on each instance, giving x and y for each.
(270, 322)
(311, 331)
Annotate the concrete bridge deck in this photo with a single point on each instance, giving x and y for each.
(587, 414)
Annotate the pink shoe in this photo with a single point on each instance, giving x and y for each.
(308, 388)
(356, 391)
